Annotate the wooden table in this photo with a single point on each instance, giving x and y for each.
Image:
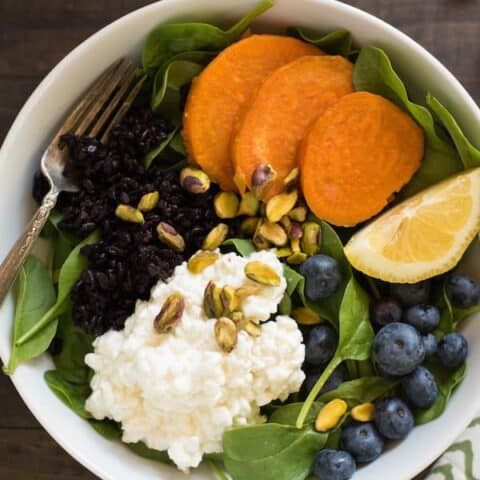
(36, 34)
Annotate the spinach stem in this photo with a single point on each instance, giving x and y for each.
(217, 470)
(307, 405)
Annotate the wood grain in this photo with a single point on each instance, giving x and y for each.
(37, 34)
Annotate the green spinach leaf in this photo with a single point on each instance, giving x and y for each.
(374, 73)
(338, 42)
(155, 152)
(177, 145)
(242, 246)
(35, 294)
(143, 451)
(288, 414)
(107, 428)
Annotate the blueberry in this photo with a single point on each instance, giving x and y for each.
(385, 311)
(420, 388)
(463, 291)
(430, 345)
(363, 441)
(334, 465)
(321, 344)
(425, 318)
(393, 418)
(322, 277)
(398, 349)
(452, 350)
(409, 294)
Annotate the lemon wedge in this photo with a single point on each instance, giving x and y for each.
(424, 236)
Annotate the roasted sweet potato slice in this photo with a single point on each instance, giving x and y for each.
(356, 156)
(218, 93)
(278, 115)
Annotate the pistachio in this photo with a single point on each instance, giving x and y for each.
(194, 180)
(170, 314)
(284, 252)
(226, 204)
(306, 316)
(297, 258)
(296, 231)
(261, 273)
(262, 180)
(230, 300)
(248, 226)
(129, 214)
(148, 201)
(215, 237)
(280, 205)
(201, 261)
(298, 214)
(260, 242)
(286, 223)
(295, 245)
(312, 235)
(170, 237)
(253, 329)
(291, 179)
(246, 291)
(273, 233)
(212, 301)
(330, 415)
(225, 334)
(363, 412)
(248, 205)
(237, 316)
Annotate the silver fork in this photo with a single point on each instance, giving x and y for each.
(102, 106)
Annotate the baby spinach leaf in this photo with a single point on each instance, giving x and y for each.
(293, 278)
(107, 428)
(169, 40)
(447, 381)
(360, 390)
(374, 73)
(177, 145)
(287, 414)
(355, 339)
(468, 153)
(285, 305)
(35, 294)
(338, 42)
(242, 246)
(143, 451)
(271, 451)
(69, 274)
(155, 152)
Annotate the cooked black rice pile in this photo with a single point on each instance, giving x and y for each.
(129, 259)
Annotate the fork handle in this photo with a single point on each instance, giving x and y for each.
(23, 246)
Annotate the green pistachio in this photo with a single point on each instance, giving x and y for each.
(226, 204)
(194, 180)
(148, 201)
(129, 214)
(170, 237)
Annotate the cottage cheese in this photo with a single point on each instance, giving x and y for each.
(178, 391)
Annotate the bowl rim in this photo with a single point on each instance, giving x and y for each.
(454, 85)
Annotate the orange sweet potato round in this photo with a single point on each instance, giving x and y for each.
(356, 156)
(217, 94)
(281, 111)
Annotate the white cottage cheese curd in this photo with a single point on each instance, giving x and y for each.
(178, 391)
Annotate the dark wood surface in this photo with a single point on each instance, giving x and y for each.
(36, 34)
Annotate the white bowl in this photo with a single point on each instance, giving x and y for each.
(20, 155)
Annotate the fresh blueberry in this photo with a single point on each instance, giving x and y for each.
(321, 344)
(385, 311)
(430, 345)
(425, 318)
(393, 418)
(452, 350)
(338, 376)
(463, 291)
(334, 465)
(409, 294)
(322, 276)
(420, 388)
(398, 349)
(363, 441)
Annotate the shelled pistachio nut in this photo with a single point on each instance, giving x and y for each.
(298, 214)
(215, 237)
(330, 415)
(226, 334)
(230, 300)
(284, 252)
(170, 314)
(295, 245)
(253, 329)
(226, 204)
(247, 291)
(273, 233)
(259, 242)
(129, 214)
(297, 258)
(290, 180)
(280, 205)
(249, 205)
(194, 180)
(248, 226)
(306, 316)
(363, 412)
(311, 238)
(237, 317)
(286, 223)
(201, 261)
(170, 237)
(296, 231)
(261, 273)
(262, 180)
(148, 201)
(212, 301)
